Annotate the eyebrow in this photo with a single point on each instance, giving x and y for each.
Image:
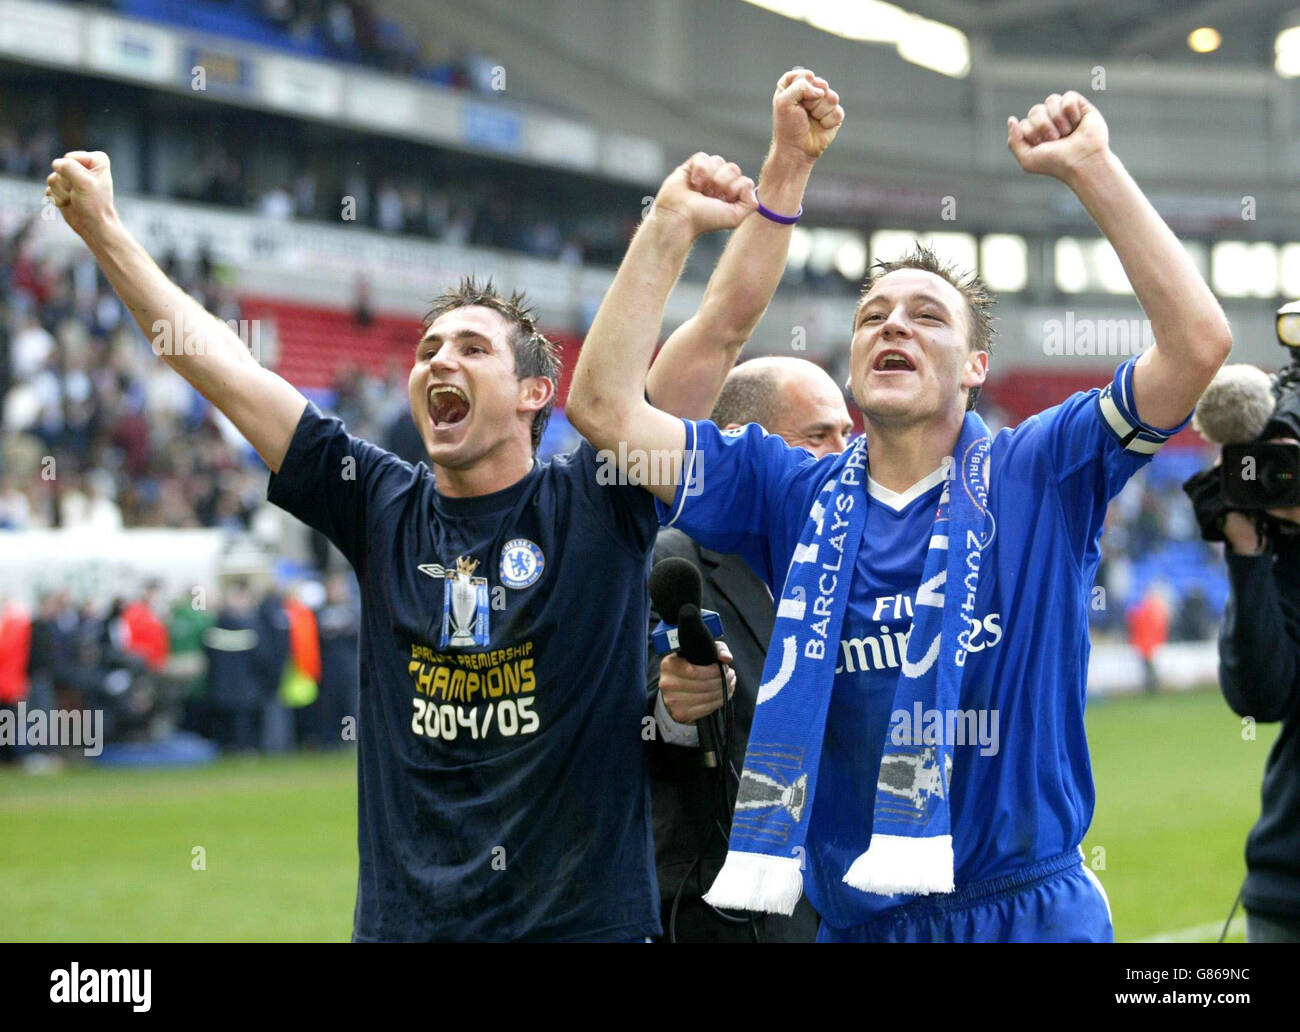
(923, 298)
(459, 335)
(825, 427)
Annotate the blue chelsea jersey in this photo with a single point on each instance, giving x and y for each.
(502, 781)
(1021, 788)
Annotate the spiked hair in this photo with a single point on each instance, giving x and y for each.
(534, 354)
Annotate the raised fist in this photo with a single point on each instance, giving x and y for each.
(708, 192)
(1058, 136)
(81, 185)
(806, 115)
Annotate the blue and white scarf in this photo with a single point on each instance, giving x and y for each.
(911, 842)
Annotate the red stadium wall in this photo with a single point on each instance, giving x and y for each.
(317, 343)
(1022, 392)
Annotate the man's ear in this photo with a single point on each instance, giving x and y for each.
(976, 369)
(535, 392)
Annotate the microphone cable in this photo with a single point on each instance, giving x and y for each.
(723, 720)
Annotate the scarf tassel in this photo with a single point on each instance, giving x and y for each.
(757, 882)
(898, 863)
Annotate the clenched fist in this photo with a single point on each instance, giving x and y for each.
(82, 187)
(806, 115)
(707, 193)
(1058, 136)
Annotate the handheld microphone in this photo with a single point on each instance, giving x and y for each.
(675, 592)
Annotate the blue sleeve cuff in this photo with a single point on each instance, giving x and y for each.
(1120, 414)
(668, 515)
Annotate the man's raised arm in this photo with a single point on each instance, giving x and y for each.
(1065, 137)
(210, 355)
(607, 401)
(688, 373)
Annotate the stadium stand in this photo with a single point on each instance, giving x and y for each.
(138, 449)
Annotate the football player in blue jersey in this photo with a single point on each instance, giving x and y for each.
(502, 775)
(918, 763)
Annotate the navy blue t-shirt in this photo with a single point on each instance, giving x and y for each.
(502, 783)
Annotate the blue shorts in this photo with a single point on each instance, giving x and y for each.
(1058, 900)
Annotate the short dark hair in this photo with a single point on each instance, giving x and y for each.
(979, 300)
(748, 395)
(534, 354)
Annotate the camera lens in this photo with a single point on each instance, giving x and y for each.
(1276, 478)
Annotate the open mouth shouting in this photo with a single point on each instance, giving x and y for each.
(893, 360)
(448, 406)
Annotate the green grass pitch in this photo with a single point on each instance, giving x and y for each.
(106, 855)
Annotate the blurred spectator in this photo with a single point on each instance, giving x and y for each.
(1195, 620)
(237, 652)
(300, 682)
(361, 310)
(403, 439)
(356, 188)
(277, 732)
(188, 619)
(339, 29)
(280, 13)
(339, 621)
(388, 208)
(145, 634)
(31, 347)
(1148, 528)
(276, 203)
(15, 650)
(304, 195)
(1149, 630)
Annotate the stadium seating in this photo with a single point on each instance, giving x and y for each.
(316, 343)
(1022, 392)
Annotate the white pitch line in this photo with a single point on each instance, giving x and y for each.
(1199, 933)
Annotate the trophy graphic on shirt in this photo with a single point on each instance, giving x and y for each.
(465, 609)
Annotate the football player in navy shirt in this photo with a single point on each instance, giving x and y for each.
(502, 775)
(1021, 795)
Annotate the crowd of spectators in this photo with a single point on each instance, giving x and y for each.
(27, 153)
(1160, 581)
(466, 210)
(261, 670)
(344, 30)
(461, 210)
(97, 431)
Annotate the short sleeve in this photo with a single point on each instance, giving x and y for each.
(626, 508)
(1088, 447)
(734, 488)
(330, 480)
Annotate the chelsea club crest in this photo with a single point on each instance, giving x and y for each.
(521, 563)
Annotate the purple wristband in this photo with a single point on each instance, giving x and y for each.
(781, 220)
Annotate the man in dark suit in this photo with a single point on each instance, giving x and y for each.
(798, 401)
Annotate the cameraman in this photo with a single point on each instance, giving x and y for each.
(1259, 672)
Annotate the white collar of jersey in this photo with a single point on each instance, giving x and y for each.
(898, 501)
